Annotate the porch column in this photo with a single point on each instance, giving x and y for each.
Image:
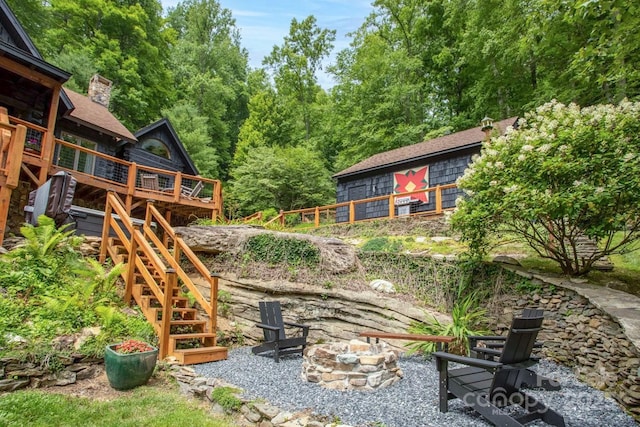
(49, 142)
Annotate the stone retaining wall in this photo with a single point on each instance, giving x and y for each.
(579, 335)
(16, 374)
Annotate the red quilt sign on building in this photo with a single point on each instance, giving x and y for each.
(412, 180)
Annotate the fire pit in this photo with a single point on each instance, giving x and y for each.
(354, 366)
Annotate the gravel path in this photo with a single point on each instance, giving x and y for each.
(412, 402)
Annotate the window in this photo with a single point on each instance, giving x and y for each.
(75, 159)
(157, 147)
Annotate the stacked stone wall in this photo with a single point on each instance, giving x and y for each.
(579, 335)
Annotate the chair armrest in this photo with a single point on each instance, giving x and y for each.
(469, 361)
(485, 350)
(487, 337)
(269, 327)
(297, 325)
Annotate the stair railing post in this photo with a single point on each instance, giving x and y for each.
(105, 229)
(213, 298)
(167, 310)
(281, 218)
(317, 218)
(131, 264)
(177, 250)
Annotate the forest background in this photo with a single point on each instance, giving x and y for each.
(415, 70)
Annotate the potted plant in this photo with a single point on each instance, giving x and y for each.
(129, 363)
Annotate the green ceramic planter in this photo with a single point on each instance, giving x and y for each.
(126, 371)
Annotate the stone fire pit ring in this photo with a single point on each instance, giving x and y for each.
(356, 365)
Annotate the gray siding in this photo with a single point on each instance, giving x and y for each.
(143, 157)
(442, 170)
(6, 37)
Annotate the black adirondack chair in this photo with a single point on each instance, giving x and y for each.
(276, 342)
(488, 385)
(492, 350)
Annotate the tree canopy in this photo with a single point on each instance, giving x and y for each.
(413, 70)
(565, 173)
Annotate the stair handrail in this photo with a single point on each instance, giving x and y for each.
(180, 247)
(137, 241)
(110, 223)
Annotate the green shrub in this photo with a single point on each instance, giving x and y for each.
(466, 318)
(226, 397)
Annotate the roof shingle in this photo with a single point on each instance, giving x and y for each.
(96, 116)
(454, 141)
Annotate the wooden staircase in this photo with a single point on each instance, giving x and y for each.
(154, 258)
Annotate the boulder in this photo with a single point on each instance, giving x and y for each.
(335, 255)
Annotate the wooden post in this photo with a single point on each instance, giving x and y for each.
(49, 138)
(281, 218)
(131, 266)
(105, 228)
(131, 186)
(438, 200)
(213, 297)
(167, 310)
(5, 199)
(165, 236)
(392, 206)
(317, 219)
(352, 212)
(147, 216)
(177, 252)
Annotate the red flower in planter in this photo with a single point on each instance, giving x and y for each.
(133, 346)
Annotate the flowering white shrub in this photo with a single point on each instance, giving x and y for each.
(565, 172)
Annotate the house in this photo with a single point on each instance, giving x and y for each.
(67, 131)
(425, 165)
(138, 186)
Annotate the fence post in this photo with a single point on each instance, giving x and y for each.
(438, 200)
(352, 212)
(317, 217)
(281, 218)
(392, 206)
(167, 310)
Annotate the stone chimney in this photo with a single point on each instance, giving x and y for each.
(100, 90)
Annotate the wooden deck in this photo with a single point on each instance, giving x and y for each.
(98, 173)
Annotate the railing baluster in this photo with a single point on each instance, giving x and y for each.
(167, 309)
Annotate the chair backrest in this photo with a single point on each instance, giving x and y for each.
(521, 338)
(270, 314)
(193, 192)
(150, 181)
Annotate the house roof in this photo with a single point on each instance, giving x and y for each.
(97, 117)
(167, 124)
(22, 49)
(441, 145)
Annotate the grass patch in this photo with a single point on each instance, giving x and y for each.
(143, 407)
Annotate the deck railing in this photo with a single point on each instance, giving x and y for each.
(327, 214)
(119, 175)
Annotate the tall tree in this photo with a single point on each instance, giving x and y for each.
(296, 62)
(210, 69)
(122, 40)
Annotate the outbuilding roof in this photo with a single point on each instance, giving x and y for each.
(97, 117)
(441, 145)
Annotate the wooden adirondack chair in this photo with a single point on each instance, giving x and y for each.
(492, 350)
(488, 385)
(275, 340)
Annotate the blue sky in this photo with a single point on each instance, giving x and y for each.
(265, 23)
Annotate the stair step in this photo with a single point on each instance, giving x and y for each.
(190, 313)
(192, 336)
(188, 322)
(192, 356)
